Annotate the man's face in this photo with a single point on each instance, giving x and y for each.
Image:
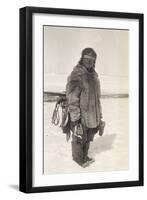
(89, 63)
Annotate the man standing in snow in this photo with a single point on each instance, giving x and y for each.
(83, 97)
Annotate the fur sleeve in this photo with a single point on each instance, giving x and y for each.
(73, 91)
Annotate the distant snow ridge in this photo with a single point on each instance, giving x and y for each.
(109, 84)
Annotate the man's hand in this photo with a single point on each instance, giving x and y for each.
(101, 127)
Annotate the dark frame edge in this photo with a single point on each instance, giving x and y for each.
(22, 103)
(141, 99)
(96, 13)
(92, 186)
(25, 103)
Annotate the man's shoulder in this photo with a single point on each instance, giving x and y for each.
(78, 70)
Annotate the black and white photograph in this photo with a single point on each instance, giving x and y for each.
(85, 99)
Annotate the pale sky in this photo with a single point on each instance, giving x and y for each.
(63, 46)
(62, 51)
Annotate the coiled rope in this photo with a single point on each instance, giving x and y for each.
(56, 115)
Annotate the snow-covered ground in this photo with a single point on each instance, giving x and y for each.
(111, 151)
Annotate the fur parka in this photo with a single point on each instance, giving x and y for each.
(83, 96)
